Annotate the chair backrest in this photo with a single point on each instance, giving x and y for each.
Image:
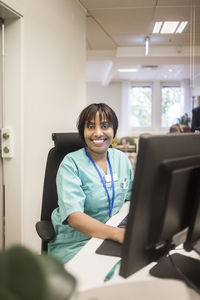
(64, 144)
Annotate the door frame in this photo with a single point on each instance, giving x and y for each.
(12, 118)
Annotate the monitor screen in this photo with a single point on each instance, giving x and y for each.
(162, 198)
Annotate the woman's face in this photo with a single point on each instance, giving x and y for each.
(98, 135)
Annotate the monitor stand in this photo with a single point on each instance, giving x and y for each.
(196, 246)
(178, 266)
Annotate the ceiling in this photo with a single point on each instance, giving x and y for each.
(116, 31)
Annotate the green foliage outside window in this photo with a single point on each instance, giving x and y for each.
(171, 105)
(141, 106)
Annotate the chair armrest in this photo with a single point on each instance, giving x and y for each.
(45, 230)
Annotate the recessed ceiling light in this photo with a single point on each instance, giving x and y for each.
(170, 70)
(169, 27)
(157, 27)
(146, 45)
(127, 70)
(181, 27)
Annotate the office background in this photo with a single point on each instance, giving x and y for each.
(44, 91)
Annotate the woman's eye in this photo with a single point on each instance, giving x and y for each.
(91, 126)
(105, 125)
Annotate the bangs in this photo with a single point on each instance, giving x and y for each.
(103, 115)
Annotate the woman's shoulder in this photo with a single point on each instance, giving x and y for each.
(120, 158)
(77, 153)
(74, 156)
(117, 153)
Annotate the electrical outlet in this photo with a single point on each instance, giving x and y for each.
(6, 143)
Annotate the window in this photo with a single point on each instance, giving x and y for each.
(170, 106)
(141, 106)
(155, 106)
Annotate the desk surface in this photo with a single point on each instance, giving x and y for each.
(128, 148)
(90, 270)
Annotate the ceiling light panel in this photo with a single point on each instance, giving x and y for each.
(128, 70)
(181, 27)
(157, 27)
(169, 27)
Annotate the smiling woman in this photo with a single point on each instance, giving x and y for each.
(92, 185)
(98, 125)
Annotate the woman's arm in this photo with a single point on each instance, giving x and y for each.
(94, 228)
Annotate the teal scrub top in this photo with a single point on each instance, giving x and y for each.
(80, 189)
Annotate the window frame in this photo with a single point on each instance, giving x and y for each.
(156, 98)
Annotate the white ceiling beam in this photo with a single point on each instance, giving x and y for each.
(100, 54)
(139, 51)
(158, 51)
(108, 74)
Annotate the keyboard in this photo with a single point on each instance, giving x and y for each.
(123, 222)
(112, 248)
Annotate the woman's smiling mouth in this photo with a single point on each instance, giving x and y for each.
(98, 142)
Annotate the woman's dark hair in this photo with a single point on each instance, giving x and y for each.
(89, 113)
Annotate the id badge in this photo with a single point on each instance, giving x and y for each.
(108, 177)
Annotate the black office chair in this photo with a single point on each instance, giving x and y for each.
(64, 144)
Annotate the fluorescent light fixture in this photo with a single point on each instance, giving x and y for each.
(127, 70)
(146, 46)
(181, 27)
(157, 27)
(169, 27)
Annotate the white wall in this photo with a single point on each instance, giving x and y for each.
(51, 70)
(111, 95)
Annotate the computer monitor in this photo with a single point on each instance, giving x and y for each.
(164, 198)
(193, 237)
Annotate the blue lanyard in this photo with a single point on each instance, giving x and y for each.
(103, 182)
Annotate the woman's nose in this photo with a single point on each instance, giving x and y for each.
(97, 131)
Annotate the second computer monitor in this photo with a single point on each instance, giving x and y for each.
(161, 198)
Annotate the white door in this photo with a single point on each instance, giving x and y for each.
(7, 16)
(2, 218)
